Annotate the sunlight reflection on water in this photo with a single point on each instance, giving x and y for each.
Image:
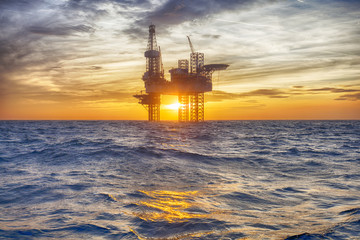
(173, 208)
(169, 206)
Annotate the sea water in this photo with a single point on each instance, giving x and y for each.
(170, 180)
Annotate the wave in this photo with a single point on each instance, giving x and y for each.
(212, 180)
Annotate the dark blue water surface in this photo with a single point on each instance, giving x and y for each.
(212, 180)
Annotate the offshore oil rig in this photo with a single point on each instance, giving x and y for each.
(188, 81)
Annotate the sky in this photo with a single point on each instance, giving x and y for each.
(84, 59)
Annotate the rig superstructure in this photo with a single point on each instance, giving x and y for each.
(188, 81)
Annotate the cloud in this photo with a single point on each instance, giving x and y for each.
(134, 33)
(333, 90)
(78, 50)
(21, 5)
(61, 30)
(88, 10)
(36, 39)
(176, 12)
(349, 97)
(327, 90)
(213, 36)
(217, 95)
(95, 67)
(68, 93)
(272, 93)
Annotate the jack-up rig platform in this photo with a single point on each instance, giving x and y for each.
(188, 81)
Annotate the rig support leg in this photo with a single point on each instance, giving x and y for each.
(197, 107)
(154, 107)
(201, 107)
(183, 114)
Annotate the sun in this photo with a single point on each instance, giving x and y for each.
(174, 106)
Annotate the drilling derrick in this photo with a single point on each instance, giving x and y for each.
(153, 78)
(188, 81)
(154, 71)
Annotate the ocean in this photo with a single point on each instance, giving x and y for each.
(169, 180)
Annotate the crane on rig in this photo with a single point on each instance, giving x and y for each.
(188, 81)
(191, 46)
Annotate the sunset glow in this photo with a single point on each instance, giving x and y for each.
(174, 106)
(85, 59)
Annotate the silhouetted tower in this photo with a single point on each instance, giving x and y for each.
(154, 69)
(196, 59)
(189, 81)
(192, 102)
(153, 78)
